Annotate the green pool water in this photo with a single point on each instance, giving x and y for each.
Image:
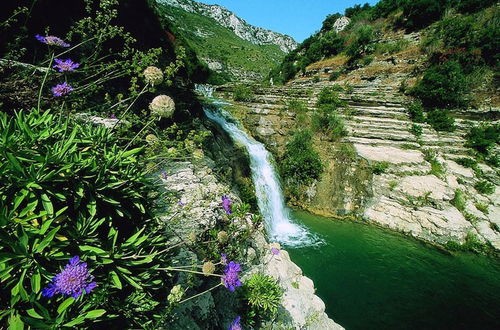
(373, 279)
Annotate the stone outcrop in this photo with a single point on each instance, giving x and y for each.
(240, 27)
(198, 187)
(341, 23)
(414, 192)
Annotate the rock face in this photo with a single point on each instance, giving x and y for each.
(240, 27)
(341, 23)
(421, 190)
(198, 186)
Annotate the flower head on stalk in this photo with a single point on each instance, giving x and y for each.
(235, 325)
(73, 280)
(52, 41)
(230, 279)
(61, 89)
(65, 65)
(226, 204)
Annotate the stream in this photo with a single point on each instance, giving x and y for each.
(371, 278)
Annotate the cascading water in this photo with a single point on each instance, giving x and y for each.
(279, 225)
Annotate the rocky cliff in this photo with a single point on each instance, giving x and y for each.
(240, 27)
(382, 172)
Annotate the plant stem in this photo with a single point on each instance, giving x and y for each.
(43, 81)
(129, 107)
(139, 133)
(188, 271)
(199, 294)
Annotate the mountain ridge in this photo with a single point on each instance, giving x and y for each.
(243, 29)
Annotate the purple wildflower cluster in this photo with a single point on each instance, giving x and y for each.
(61, 89)
(223, 259)
(73, 280)
(275, 251)
(235, 325)
(230, 278)
(226, 205)
(65, 65)
(52, 41)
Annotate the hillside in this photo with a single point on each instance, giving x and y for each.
(391, 120)
(225, 42)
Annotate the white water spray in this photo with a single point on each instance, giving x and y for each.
(279, 225)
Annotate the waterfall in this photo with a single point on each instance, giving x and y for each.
(279, 225)
(204, 89)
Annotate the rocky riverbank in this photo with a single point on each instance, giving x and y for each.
(199, 186)
(382, 172)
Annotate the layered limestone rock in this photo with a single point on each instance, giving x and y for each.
(414, 190)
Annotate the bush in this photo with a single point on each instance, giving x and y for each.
(243, 93)
(334, 75)
(301, 163)
(416, 130)
(329, 96)
(361, 42)
(380, 168)
(483, 138)
(443, 86)
(421, 13)
(441, 120)
(328, 123)
(466, 162)
(262, 296)
(459, 200)
(69, 190)
(485, 187)
(296, 106)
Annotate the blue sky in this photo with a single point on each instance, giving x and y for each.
(297, 18)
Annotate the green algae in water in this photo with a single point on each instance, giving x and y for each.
(372, 279)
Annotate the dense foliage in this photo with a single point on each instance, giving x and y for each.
(326, 118)
(68, 190)
(301, 163)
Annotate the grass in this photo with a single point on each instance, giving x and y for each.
(380, 168)
(481, 207)
(221, 44)
(485, 187)
(459, 200)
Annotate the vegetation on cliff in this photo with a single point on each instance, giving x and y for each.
(95, 102)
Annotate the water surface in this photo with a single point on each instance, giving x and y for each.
(373, 279)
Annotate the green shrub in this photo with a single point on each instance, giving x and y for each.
(483, 137)
(329, 96)
(301, 163)
(485, 187)
(416, 130)
(421, 13)
(367, 60)
(416, 112)
(361, 42)
(466, 162)
(443, 86)
(482, 207)
(70, 190)
(243, 93)
(326, 121)
(459, 200)
(262, 296)
(297, 106)
(441, 120)
(334, 75)
(380, 167)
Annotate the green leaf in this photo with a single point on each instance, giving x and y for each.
(46, 224)
(47, 204)
(46, 241)
(19, 198)
(14, 162)
(76, 321)
(65, 304)
(94, 313)
(93, 249)
(131, 281)
(133, 238)
(33, 313)
(129, 153)
(35, 282)
(15, 322)
(116, 280)
(92, 206)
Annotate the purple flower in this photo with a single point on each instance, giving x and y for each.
(181, 203)
(112, 116)
(223, 259)
(230, 277)
(61, 89)
(236, 324)
(163, 175)
(275, 251)
(51, 41)
(73, 280)
(65, 65)
(226, 204)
